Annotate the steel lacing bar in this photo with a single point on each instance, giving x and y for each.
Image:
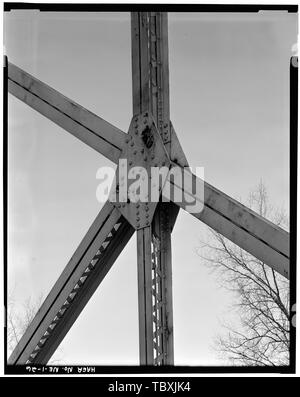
(75, 292)
(158, 302)
(164, 232)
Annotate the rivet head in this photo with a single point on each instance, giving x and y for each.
(137, 212)
(134, 152)
(147, 223)
(127, 140)
(132, 144)
(130, 162)
(152, 157)
(142, 150)
(145, 158)
(147, 209)
(137, 218)
(147, 215)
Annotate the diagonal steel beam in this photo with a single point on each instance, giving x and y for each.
(84, 125)
(244, 227)
(90, 263)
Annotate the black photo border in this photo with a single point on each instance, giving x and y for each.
(131, 370)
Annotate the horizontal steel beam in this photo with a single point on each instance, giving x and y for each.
(244, 227)
(84, 125)
(90, 263)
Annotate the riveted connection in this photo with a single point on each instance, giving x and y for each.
(147, 137)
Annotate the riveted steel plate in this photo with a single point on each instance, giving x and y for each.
(137, 188)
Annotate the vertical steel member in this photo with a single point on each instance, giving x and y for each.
(150, 90)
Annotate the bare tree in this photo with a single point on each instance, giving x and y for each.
(19, 317)
(262, 338)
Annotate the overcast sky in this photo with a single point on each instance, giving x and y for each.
(229, 87)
